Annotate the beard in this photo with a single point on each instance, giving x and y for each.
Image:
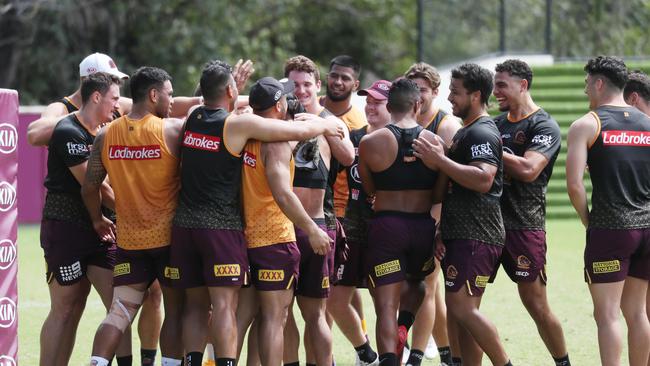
(463, 112)
(338, 98)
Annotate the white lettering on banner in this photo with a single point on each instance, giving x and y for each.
(7, 361)
(7, 253)
(626, 138)
(545, 140)
(481, 150)
(201, 141)
(117, 152)
(7, 312)
(7, 196)
(8, 138)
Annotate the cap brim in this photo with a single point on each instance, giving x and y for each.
(373, 93)
(288, 86)
(119, 74)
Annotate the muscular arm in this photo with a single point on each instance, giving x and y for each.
(581, 134)
(524, 168)
(107, 195)
(40, 130)
(342, 149)
(448, 129)
(477, 176)
(173, 128)
(182, 105)
(365, 151)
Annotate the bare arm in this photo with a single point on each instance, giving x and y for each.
(172, 132)
(448, 129)
(365, 149)
(581, 134)
(524, 168)
(276, 162)
(342, 149)
(39, 131)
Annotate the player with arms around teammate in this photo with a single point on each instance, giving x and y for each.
(612, 140)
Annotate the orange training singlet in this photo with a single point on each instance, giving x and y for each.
(145, 178)
(265, 223)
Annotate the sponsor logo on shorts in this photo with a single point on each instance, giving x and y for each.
(449, 283)
(325, 283)
(452, 272)
(121, 269)
(7, 312)
(250, 159)
(545, 140)
(8, 138)
(120, 152)
(428, 265)
(607, 267)
(522, 273)
(172, 273)
(7, 361)
(626, 138)
(271, 275)
(523, 262)
(7, 254)
(481, 281)
(71, 272)
(387, 268)
(7, 196)
(77, 149)
(226, 270)
(481, 150)
(201, 141)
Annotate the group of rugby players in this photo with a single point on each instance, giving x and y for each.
(244, 204)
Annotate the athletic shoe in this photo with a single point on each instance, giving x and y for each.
(431, 351)
(358, 362)
(406, 353)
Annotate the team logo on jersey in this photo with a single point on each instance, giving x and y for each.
(7, 312)
(607, 266)
(8, 138)
(7, 253)
(481, 150)
(226, 270)
(520, 138)
(172, 273)
(523, 262)
(626, 138)
(387, 268)
(354, 173)
(355, 194)
(271, 275)
(7, 196)
(250, 159)
(545, 140)
(201, 141)
(121, 269)
(481, 281)
(452, 272)
(120, 152)
(7, 361)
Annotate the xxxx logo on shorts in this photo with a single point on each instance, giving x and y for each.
(226, 270)
(387, 268)
(172, 273)
(121, 269)
(325, 283)
(607, 266)
(523, 262)
(452, 272)
(481, 281)
(271, 275)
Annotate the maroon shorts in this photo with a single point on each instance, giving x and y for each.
(611, 255)
(274, 267)
(469, 263)
(142, 266)
(400, 247)
(524, 255)
(208, 257)
(315, 270)
(353, 272)
(70, 248)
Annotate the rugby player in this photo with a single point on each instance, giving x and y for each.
(471, 223)
(613, 140)
(531, 142)
(401, 234)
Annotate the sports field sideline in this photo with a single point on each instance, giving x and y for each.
(567, 292)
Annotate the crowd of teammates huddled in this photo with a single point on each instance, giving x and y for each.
(227, 208)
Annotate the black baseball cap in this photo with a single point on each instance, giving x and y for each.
(267, 91)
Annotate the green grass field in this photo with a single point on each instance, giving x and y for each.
(567, 291)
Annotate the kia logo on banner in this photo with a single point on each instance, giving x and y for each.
(7, 312)
(7, 196)
(7, 254)
(7, 361)
(8, 138)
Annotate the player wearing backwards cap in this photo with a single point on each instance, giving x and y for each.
(613, 140)
(531, 142)
(208, 247)
(74, 263)
(431, 318)
(314, 162)
(471, 224)
(401, 233)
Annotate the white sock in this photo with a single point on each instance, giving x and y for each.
(98, 361)
(209, 350)
(167, 361)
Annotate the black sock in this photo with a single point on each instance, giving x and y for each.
(124, 360)
(388, 359)
(405, 318)
(457, 361)
(445, 355)
(297, 363)
(562, 361)
(147, 357)
(415, 358)
(193, 358)
(365, 353)
(224, 362)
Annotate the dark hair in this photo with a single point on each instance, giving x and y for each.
(403, 95)
(97, 82)
(215, 78)
(516, 68)
(347, 61)
(424, 71)
(302, 64)
(610, 67)
(475, 78)
(639, 82)
(146, 78)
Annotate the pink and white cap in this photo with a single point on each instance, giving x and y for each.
(99, 62)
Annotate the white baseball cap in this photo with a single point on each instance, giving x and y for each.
(99, 62)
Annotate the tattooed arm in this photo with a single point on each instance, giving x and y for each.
(91, 190)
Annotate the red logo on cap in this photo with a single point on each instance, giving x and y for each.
(91, 70)
(112, 64)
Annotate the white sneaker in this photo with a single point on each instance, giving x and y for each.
(431, 351)
(358, 362)
(406, 354)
